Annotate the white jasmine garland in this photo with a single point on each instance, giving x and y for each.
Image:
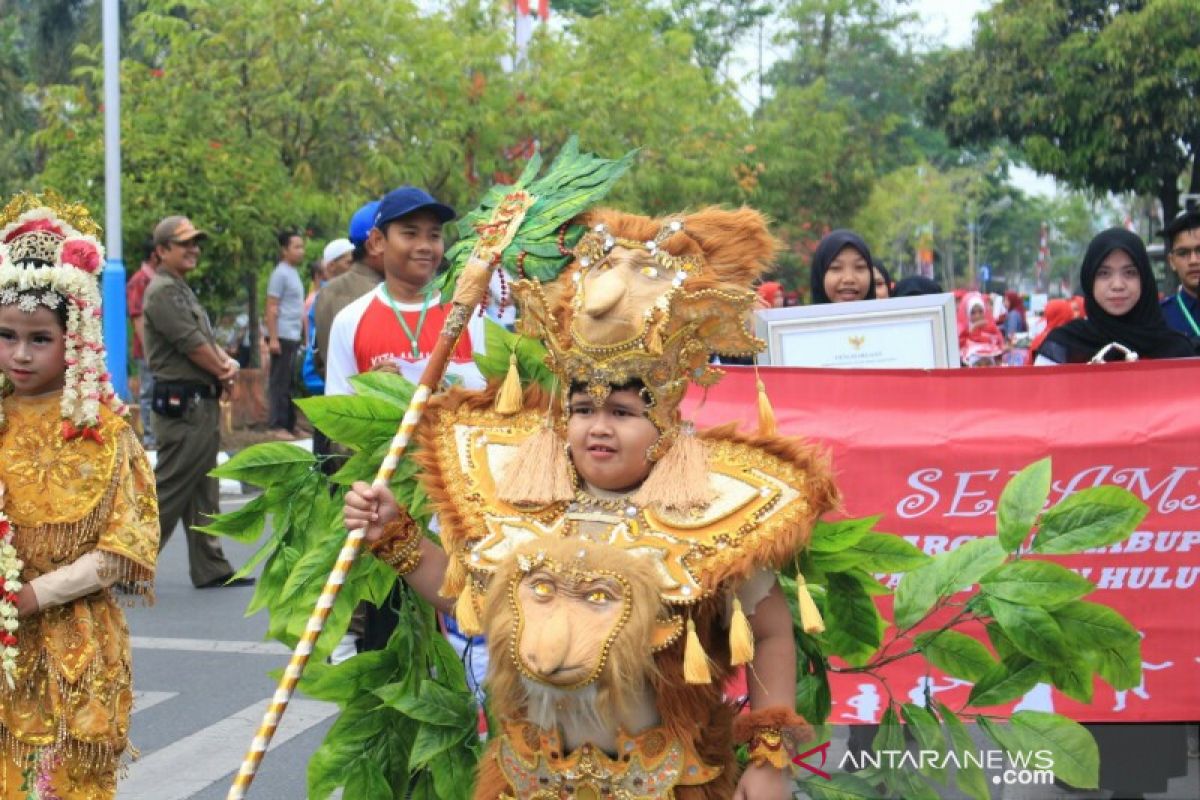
(73, 277)
(10, 569)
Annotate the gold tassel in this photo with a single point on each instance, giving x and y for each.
(695, 660)
(508, 399)
(810, 615)
(766, 414)
(680, 478)
(455, 578)
(741, 637)
(539, 473)
(654, 342)
(465, 614)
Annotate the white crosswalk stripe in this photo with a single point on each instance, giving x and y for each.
(193, 763)
(144, 700)
(208, 646)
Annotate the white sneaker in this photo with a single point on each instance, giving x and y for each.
(344, 650)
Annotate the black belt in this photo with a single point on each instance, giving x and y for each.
(205, 391)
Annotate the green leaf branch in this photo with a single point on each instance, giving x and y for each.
(1031, 611)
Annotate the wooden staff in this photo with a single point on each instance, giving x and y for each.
(472, 285)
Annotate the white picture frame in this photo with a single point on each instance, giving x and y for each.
(901, 333)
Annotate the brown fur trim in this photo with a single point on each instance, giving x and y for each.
(781, 717)
(699, 712)
(433, 472)
(490, 783)
(819, 491)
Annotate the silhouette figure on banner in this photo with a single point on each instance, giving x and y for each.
(865, 704)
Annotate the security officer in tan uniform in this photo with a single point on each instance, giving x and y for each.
(190, 371)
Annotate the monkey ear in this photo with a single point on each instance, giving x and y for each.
(666, 633)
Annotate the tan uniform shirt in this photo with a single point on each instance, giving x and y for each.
(176, 324)
(336, 295)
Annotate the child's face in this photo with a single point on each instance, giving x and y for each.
(609, 444)
(32, 349)
(848, 277)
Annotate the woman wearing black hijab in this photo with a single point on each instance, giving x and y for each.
(1121, 299)
(841, 269)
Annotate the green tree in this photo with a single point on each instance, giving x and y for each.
(650, 95)
(1100, 94)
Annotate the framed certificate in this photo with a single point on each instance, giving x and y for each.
(902, 333)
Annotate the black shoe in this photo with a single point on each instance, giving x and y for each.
(227, 580)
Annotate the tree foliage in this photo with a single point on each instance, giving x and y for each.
(1100, 94)
(1030, 610)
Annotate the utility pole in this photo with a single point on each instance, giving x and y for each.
(112, 283)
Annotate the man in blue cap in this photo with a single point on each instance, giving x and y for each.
(365, 273)
(397, 325)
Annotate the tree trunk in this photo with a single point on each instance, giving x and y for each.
(1169, 197)
(252, 300)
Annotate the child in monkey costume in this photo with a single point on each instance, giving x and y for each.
(620, 564)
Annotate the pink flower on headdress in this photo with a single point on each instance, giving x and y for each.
(40, 224)
(82, 254)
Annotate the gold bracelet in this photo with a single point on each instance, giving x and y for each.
(766, 748)
(400, 546)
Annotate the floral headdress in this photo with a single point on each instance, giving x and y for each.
(648, 300)
(50, 254)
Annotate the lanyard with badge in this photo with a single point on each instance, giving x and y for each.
(1186, 314)
(412, 337)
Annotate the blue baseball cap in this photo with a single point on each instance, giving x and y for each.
(362, 222)
(407, 199)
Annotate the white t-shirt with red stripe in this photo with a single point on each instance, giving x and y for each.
(366, 334)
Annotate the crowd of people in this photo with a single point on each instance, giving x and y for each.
(1119, 303)
(83, 515)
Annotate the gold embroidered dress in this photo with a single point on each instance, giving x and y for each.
(71, 501)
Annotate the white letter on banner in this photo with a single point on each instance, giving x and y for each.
(927, 497)
(1135, 480)
(960, 493)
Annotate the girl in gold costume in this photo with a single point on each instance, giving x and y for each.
(77, 504)
(620, 564)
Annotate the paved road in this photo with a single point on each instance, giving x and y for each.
(200, 674)
(200, 677)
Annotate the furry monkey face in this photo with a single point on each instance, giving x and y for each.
(566, 620)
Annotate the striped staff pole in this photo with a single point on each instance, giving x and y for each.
(472, 286)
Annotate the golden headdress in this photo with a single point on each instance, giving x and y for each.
(649, 300)
(50, 255)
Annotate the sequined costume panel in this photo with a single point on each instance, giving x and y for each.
(69, 711)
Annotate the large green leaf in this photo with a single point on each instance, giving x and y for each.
(433, 740)
(1073, 677)
(1073, 750)
(1094, 517)
(387, 386)
(963, 566)
(928, 731)
(956, 654)
(1120, 665)
(243, 524)
(916, 594)
(890, 735)
(830, 537)
(352, 420)
(266, 464)
(1021, 502)
(1006, 681)
(854, 627)
(1039, 583)
(842, 786)
(968, 774)
(874, 552)
(1088, 625)
(433, 704)
(1031, 629)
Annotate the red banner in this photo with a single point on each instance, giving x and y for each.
(932, 450)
